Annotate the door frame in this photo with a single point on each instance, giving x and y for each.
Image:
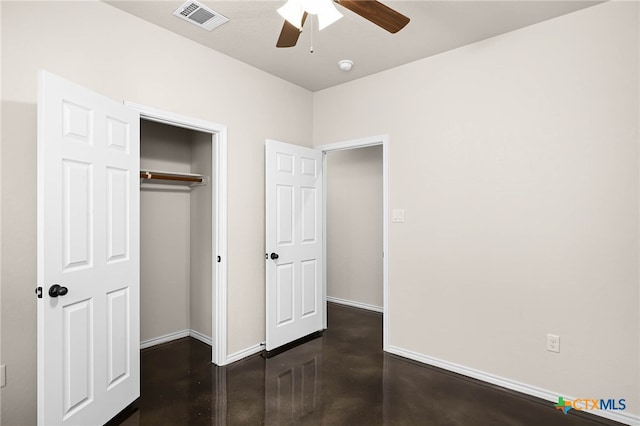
(355, 144)
(219, 162)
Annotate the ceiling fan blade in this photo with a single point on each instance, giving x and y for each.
(376, 12)
(289, 34)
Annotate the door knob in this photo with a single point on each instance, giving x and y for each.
(57, 290)
(274, 256)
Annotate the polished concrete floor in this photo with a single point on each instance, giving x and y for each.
(341, 378)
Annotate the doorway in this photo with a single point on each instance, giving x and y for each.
(204, 148)
(382, 143)
(176, 235)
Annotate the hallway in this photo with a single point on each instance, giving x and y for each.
(341, 378)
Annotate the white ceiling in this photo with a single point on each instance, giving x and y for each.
(436, 26)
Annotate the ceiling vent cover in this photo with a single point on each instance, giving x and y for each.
(200, 15)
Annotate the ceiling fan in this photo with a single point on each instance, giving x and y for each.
(371, 10)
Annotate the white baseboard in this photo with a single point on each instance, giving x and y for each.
(524, 388)
(360, 305)
(202, 337)
(164, 339)
(237, 356)
(175, 336)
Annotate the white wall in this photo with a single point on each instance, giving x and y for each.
(516, 160)
(354, 225)
(126, 58)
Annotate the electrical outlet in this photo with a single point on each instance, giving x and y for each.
(3, 376)
(553, 343)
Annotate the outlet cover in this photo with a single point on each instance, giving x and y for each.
(553, 343)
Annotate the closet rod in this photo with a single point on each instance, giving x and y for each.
(171, 176)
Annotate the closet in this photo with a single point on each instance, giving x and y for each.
(176, 233)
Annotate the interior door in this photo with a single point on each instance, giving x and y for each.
(294, 223)
(88, 255)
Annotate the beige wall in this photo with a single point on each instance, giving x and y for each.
(516, 160)
(200, 319)
(125, 58)
(165, 233)
(175, 234)
(354, 225)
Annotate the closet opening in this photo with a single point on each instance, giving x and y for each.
(178, 234)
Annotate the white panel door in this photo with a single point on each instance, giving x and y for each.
(293, 242)
(88, 255)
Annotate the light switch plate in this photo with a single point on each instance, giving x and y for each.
(397, 215)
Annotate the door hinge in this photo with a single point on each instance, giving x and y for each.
(39, 292)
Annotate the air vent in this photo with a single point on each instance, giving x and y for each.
(200, 15)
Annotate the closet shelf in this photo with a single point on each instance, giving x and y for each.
(190, 179)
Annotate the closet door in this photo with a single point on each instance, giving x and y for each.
(88, 255)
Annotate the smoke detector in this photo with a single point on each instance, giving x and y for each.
(345, 64)
(200, 15)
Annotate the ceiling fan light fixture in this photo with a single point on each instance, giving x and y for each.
(292, 11)
(325, 10)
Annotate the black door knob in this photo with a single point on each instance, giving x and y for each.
(57, 290)
(274, 256)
